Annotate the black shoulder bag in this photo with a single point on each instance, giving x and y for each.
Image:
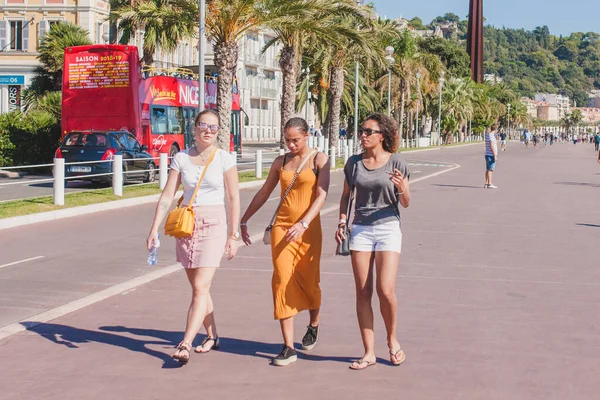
(343, 249)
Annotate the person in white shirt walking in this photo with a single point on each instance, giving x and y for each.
(491, 156)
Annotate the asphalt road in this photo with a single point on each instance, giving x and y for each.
(498, 293)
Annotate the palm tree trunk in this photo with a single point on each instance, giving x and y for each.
(287, 63)
(226, 57)
(332, 121)
(402, 105)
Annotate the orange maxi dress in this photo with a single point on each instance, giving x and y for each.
(296, 265)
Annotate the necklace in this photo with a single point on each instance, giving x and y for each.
(202, 154)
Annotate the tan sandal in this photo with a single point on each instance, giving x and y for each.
(215, 346)
(398, 357)
(181, 347)
(357, 365)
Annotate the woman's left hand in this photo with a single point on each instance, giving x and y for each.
(231, 248)
(295, 232)
(398, 180)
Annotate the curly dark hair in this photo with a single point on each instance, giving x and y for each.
(390, 131)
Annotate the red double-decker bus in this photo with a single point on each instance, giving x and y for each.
(105, 89)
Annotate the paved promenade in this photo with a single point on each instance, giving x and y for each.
(498, 291)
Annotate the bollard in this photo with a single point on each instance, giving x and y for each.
(281, 152)
(59, 181)
(117, 178)
(332, 157)
(311, 142)
(327, 146)
(234, 155)
(351, 146)
(163, 170)
(346, 154)
(321, 142)
(258, 165)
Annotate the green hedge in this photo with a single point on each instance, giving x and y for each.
(28, 138)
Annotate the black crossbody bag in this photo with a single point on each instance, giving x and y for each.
(343, 249)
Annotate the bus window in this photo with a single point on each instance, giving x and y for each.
(175, 119)
(159, 120)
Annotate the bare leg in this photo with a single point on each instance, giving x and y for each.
(210, 326)
(387, 269)
(200, 279)
(314, 316)
(362, 266)
(287, 330)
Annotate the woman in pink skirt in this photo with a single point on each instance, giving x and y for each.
(201, 253)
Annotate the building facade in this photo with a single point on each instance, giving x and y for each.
(548, 112)
(591, 115)
(23, 23)
(562, 103)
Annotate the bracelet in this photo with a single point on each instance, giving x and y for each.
(243, 224)
(402, 192)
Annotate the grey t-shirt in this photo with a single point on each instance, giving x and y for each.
(376, 199)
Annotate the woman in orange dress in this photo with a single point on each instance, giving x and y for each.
(296, 238)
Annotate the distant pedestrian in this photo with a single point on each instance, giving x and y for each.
(575, 139)
(491, 156)
(379, 177)
(201, 253)
(597, 141)
(503, 141)
(527, 138)
(295, 238)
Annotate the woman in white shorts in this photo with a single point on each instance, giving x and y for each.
(380, 178)
(201, 253)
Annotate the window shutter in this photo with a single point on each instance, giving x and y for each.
(42, 29)
(3, 35)
(25, 36)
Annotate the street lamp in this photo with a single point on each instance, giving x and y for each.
(508, 120)
(307, 93)
(441, 81)
(201, 58)
(389, 51)
(260, 75)
(417, 133)
(105, 37)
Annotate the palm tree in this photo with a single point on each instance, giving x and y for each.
(458, 103)
(48, 77)
(165, 23)
(298, 22)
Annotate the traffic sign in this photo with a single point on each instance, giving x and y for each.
(12, 79)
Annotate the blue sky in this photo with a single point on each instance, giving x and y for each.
(561, 16)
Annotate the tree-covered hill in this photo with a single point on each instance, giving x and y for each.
(537, 61)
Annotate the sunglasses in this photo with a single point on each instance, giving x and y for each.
(367, 131)
(206, 127)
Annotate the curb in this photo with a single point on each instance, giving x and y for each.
(22, 220)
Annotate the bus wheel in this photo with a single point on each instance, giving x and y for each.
(150, 173)
(174, 150)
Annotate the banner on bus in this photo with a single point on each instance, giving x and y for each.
(165, 90)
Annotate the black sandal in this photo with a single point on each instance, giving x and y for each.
(215, 346)
(183, 346)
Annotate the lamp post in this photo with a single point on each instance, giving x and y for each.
(260, 75)
(508, 120)
(105, 37)
(418, 98)
(202, 62)
(441, 81)
(389, 51)
(307, 93)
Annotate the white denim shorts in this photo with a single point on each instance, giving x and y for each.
(382, 237)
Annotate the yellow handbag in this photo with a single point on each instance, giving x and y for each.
(181, 221)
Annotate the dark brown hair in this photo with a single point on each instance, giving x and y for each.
(298, 123)
(390, 131)
(205, 112)
(494, 127)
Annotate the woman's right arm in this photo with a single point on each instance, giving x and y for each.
(164, 203)
(261, 197)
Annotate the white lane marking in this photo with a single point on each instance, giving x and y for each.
(78, 304)
(21, 261)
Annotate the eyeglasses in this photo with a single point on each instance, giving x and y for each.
(206, 127)
(367, 131)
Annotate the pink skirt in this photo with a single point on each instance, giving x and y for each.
(206, 246)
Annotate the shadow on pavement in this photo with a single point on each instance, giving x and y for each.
(590, 225)
(457, 186)
(228, 345)
(596, 185)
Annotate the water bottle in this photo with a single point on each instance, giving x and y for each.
(153, 256)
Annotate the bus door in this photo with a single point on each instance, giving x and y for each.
(189, 115)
